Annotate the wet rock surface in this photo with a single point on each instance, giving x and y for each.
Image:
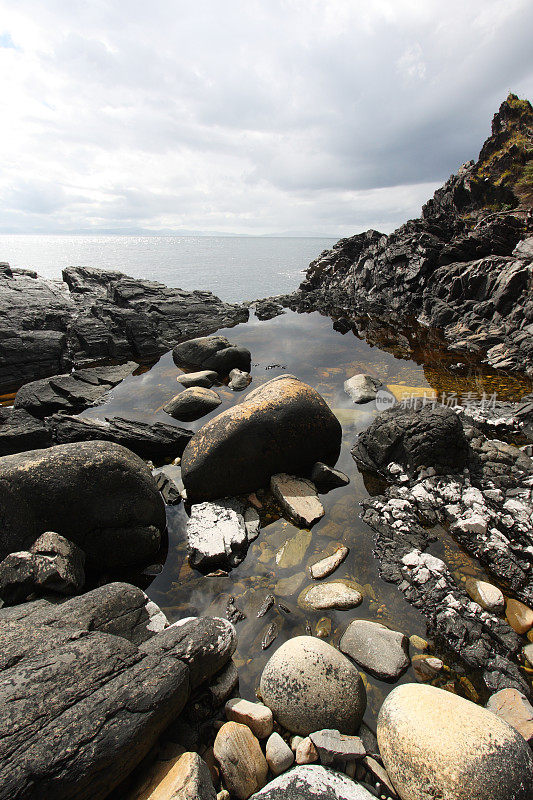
(48, 327)
(284, 419)
(298, 498)
(214, 353)
(376, 649)
(97, 494)
(133, 685)
(192, 403)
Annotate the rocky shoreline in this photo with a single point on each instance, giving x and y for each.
(104, 697)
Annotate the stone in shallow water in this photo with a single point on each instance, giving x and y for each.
(519, 616)
(255, 715)
(213, 353)
(292, 552)
(377, 649)
(313, 782)
(328, 565)
(205, 378)
(336, 594)
(239, 380)
(437, 744)
(192, 403)
(219, 533)
(309, 685)
(297, 498)
(362, 388)
(279, 755)
(326, 478)
(486, 595)
(242, 763)
(513, 707)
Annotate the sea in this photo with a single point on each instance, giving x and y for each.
(235, 268)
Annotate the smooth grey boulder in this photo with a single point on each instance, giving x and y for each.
(362, 388)
(97, 494)
(53, 565)
(192, 403)
(239, 380)
(381, 652)
(219, 533)
(205, 378)
(309, 685)
(155, 440)
(311, 782)
(84, 704)
(212, 353)
(282, 426)
(437, 744)
(414, 438)
(326, 478)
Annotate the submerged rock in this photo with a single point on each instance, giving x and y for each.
(339, 594)
(97, 494)
(362, 388)
(309, 782)
(309, 685)
(283, 426)
(219, 533)
(298, 498)
(192, 403)
(327, 566)
(214, 353)
(434, 743)
(380, 651)
(519, 616)
(326, 478)
(205, 377)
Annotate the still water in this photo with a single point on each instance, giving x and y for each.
(277, 562)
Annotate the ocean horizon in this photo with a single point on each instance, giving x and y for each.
(236, 268)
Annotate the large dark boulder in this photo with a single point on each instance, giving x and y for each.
(416, 437)
(214, 353)
(84, 698)
(97, 494)
(282, 426)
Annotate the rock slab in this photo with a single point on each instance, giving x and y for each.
(298, 498)
(381, 652)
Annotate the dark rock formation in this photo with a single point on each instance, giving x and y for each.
(212, 353)
(456, 268)
(48, 327)
(155, 441)
(71, 392)
(20, 431)
(414, 438)
(97, 494)
(87, 688)
(283, 426)
(53, 564)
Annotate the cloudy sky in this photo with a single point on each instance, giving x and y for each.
(323, 117)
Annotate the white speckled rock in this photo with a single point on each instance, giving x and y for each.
(309, 685)
(334, 594)
(435, 744)
(279, 755)
(313, 782)
(326, 566)
(257, 716)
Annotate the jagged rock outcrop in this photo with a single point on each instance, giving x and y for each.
(459, 267)
(47, 327)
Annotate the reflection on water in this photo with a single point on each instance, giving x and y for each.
(277, 562)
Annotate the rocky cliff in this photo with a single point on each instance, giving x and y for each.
(465, 266)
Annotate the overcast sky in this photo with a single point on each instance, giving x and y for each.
(323, 117)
